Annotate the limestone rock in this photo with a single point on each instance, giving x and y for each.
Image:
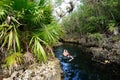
(47, 71)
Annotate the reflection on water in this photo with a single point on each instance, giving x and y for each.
(81, 68)
(70, 72)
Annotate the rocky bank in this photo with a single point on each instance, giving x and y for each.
(104, 49)
(46, 71)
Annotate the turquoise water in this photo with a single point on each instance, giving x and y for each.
(82, 67)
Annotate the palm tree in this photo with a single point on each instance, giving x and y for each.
(27, 25)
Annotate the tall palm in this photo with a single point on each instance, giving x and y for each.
(29, 23)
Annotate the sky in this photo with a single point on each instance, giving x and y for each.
(61, 9)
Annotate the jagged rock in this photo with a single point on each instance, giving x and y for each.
(47, 71)
(105, 51)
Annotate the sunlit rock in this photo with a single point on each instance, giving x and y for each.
(47, 71)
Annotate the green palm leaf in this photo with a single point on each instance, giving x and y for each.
(41, 50)
(2, 31)
(17, 42)
(3, 14)
(10, 39)
(38, 49)
(5, 40)
(42, 2)
(9, 36)
(51, 33)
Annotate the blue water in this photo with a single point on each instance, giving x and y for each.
(81, 68)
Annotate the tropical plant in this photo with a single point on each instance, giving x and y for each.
(96, 36)
(51, 33)
(14, 60)
(3, 11)
(111, 26)
(38, 49)
(24, 22)
(9, 36)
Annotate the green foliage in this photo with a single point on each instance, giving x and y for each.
(42, 2)
(37, 48)
(96, 36)
(3, 12)
(14, 59)
(24, 22)
(51, 33)
(18, 5)
(41, 16)
(111, 26)
(93, 16)
(9, 35)
(115, 38)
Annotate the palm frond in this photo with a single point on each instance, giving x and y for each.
(42, 15)
(33, 17)
(10, 38)
(42, 2)
(38, 49)
(3, 14)
(2, 30)
(11, 35)
(51, 33)
(4, 9)
(5, 40)
(16, 38)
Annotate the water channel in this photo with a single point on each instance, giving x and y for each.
(82, 67)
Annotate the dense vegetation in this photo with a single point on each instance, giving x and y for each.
(94, 16)
(27, 27)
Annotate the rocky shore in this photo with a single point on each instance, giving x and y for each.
(104, 50)
(46, 71)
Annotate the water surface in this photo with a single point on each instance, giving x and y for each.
(82, 67)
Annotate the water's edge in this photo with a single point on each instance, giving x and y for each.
(83, 68)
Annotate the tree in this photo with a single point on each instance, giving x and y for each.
(94, 16)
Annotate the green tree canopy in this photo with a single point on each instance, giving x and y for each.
(94, 16)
